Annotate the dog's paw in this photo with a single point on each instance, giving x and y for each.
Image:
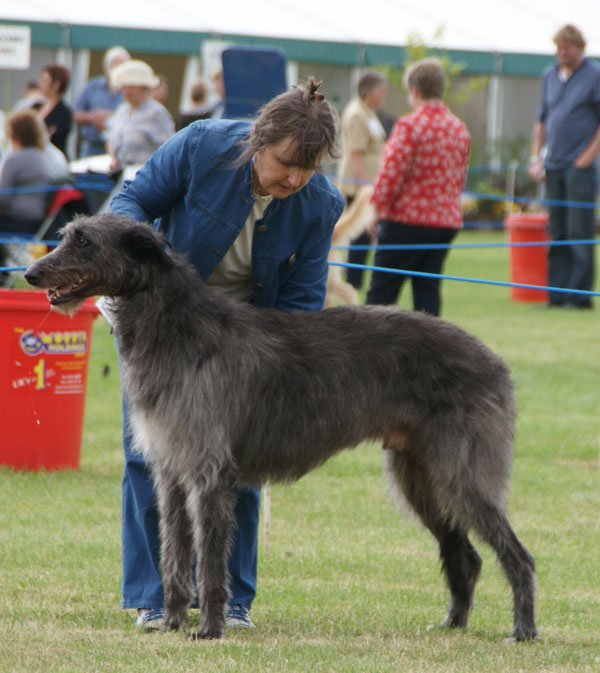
(174, 621)
(521, 635)
(455, 620)
(443, 626)
(206, 634)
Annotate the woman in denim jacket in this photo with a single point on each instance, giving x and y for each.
(245, 204)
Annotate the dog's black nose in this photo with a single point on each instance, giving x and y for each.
(32, 276)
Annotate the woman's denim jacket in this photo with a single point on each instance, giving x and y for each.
(200, 198)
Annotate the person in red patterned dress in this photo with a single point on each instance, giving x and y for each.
(417, 191)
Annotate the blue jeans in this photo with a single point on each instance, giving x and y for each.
(571, 266)
(141, 584)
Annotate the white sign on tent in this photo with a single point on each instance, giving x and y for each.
(15, 47)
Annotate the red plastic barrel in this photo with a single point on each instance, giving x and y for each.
(528, 264)
(43, 374)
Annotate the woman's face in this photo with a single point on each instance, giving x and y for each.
(274, 172)
(135, 95)
(376, 97)
(48, 86)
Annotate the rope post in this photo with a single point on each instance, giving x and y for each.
(511, 181)
(267, 519)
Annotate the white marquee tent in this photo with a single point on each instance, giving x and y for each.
(514, 26)
(505, 37)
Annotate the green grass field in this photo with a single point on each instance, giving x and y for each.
(349, 584)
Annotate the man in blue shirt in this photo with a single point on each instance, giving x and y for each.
(96, 103)
(568, 125)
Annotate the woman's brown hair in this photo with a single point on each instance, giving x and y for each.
(58, 73)
(427, 77)
(26, 128)
(301, 114)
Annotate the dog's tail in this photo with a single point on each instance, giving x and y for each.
(355, 217)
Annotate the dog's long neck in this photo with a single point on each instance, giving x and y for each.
(155, 319)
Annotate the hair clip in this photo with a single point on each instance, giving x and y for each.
(315, 95)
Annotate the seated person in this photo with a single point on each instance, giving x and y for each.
(22, 210)
(32, 96)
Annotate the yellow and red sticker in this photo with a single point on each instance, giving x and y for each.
(53, 361)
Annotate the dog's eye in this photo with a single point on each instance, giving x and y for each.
(81, 240)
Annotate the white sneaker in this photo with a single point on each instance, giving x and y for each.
(237, 615)
(150, 619)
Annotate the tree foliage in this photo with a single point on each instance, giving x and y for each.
(459, 88)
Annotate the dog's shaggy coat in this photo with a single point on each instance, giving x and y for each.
(222, 394)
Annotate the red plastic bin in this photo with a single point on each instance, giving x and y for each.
(43, 373)
(528, 264)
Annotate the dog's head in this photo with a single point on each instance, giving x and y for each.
(108, 255)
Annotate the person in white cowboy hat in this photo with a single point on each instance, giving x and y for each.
(140, 124)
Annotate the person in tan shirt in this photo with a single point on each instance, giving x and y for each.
(363, 138)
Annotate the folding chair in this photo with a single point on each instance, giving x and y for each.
(20, 254)
(64, 195)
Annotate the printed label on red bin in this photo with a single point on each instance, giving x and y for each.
(48, 361)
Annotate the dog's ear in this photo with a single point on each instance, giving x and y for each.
(143, 245)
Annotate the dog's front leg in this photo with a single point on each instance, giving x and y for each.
(176, 546)
(212, 515)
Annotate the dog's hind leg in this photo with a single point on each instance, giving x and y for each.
(176, 545)
(213, 515)
(518, 564)
(461, 563)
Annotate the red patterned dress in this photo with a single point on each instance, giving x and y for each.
(417, 198)
(424, 169)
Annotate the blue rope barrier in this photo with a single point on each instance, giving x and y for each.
(502, 168)
(9, 269)
(107, 186)
(99, 185)
(424, 274)
(466, 246)
(482, 196)
(23, 239)
(483, 224)
(528, 200)
(496, 170)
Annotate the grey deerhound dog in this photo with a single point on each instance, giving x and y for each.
(222, 393)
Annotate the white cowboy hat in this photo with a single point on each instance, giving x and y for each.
(133, 73)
